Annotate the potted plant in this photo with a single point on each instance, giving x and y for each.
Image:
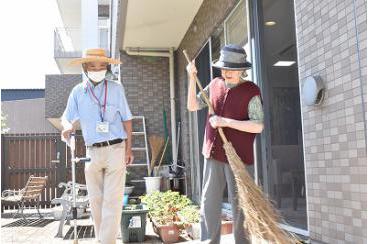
(163, 208)
(189, 216)
(128, 189)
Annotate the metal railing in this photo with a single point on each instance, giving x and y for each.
(67, 42)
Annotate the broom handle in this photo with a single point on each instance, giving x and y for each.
(206, 99)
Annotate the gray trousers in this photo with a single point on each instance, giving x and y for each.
(215, 177)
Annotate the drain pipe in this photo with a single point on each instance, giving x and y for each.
(169, 53)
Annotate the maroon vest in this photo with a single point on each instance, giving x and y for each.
(233, 104)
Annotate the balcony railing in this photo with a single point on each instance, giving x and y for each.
(67, 42)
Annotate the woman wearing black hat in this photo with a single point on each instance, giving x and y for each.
(238, 110)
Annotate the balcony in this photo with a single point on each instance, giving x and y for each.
(68, 45)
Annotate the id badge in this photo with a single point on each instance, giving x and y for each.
(102, 127)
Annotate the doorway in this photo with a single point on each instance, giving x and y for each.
(280, 154)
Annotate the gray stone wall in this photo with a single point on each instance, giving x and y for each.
(331, 38)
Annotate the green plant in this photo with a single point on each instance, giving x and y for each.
(163, 206)
(189, 214)
(4, 128)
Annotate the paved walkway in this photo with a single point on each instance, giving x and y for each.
(43, 231)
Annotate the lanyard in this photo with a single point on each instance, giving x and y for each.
(102, 114)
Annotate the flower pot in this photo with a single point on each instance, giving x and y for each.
(165, 184)
(226, 227)
(128, 190)
(152, 184)
(168, 233)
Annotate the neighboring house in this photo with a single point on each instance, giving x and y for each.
(310, 159)
(25, 111)
(28, 144)
(32, 145)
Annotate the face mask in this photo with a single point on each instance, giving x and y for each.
(97, 76)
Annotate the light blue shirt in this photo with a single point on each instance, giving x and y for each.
(83, 106)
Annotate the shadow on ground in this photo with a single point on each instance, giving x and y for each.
(29, 223)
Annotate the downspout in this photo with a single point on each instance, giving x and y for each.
(169, 53)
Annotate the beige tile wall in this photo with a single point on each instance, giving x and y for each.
(331, 37)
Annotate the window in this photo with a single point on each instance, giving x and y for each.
(233, 31)
(236, 29)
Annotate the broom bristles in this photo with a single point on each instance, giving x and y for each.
(261, 219)
(156, 142)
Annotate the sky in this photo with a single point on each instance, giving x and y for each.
(26, 42)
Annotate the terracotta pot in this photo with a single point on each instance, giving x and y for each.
(226, 227)
(168, 233)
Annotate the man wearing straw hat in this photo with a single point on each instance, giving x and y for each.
(101, 108)
(238, 110)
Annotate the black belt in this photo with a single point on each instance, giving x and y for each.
(107, 143)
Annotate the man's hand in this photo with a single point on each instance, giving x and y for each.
(65, 134)
(217, 121)
(128, 156)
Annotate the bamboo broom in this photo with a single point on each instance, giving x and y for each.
(261, 219)
(156, 142)
(162, 155)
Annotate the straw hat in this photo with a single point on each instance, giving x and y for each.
(94, 55)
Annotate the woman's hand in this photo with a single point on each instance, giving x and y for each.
(192, 70)
(217, 121)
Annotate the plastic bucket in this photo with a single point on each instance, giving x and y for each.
(152, 184)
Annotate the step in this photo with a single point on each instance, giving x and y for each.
(138, 148)
(135, 181)
(137, 165)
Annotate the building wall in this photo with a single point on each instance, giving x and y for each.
(210, 15)
(334, 133)
(26, 116)
(57, 90)
(331, 40)
(147, 88)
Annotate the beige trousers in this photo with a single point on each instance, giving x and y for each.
(105, 179)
